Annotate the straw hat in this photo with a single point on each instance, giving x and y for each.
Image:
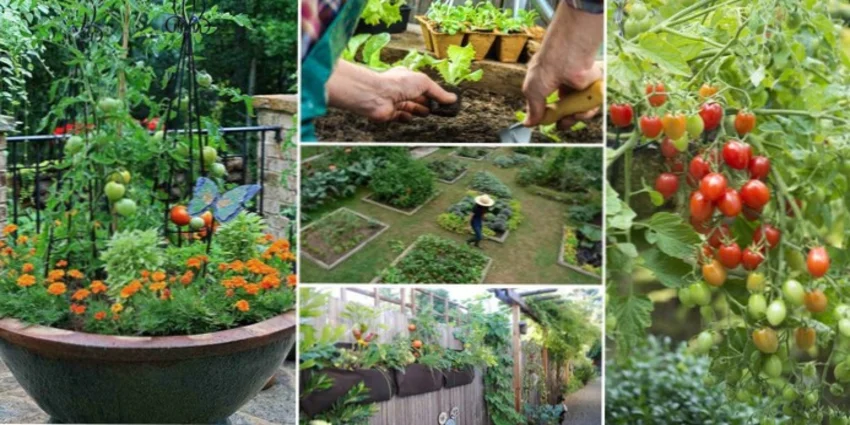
(484, 201)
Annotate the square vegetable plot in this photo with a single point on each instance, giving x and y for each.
(581, 253)
(448, 170)
(411, 211)
(505, 215)
(473, 153)
(337, 236)
(432, 259)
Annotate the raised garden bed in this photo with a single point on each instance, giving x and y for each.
(448, 170)
(458, 378)
(431, 259)
(422, 152)
(487, 182)
(576, 256)
(418, 379)
(381, 385)
(337, 236)
(504, 215)
(473, 153)
(410, 211)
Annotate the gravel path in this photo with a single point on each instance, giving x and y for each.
(585, 405)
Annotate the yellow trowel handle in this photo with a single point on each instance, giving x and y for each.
(575, 103)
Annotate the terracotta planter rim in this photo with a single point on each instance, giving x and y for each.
(61, 343)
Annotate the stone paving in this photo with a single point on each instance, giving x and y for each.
(273, 406)
(585, 405)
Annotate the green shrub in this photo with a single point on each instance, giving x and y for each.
(585, 213)
(472, 152)
(352, 155)
(238, 238)
(584, 371)
(404, 184)
(447, 169)
(438, 260)
(514, 160)
(128, 253)
(486, 182)
(657, 381)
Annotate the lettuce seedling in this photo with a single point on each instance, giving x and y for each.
(457, 67)
(387, 12)
(372, 47)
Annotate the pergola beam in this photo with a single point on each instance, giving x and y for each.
(537, 292)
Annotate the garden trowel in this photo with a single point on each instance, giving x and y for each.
(570, 104)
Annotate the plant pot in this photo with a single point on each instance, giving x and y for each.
(418, 379)
(395, 28)
(381, 387)
(458, 378)
(511, 46)
(426, 33)
(442, 41)
(447, 110)
(86, 378)
(481, 42)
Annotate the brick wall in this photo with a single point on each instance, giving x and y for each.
(281, 185)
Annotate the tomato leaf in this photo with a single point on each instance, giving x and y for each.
(634, 315)
(653, 48)
(672, 235)
(667, 270)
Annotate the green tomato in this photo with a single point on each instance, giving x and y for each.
(755, 282)
(638, 10)
(695, 126)
(757, 306)
(772, 366)
(218, 170)
(158, 137)
(789, 394)
(74, 145)
(795, 260)
(704, 342)
(205, 80)
(776, 312)
(700, 294)
(115, 191)
(681, 145)
(842, 310)
(809, 370)
(210, 155)
(844, 327)
(109, 105)
(811, 399)
(126, 207)
(836, 389)
(685, 297)
(631, 28)
(645, 24)
(707, 313)
(793, 292)
(196, 223)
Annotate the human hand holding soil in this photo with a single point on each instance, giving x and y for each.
(395, 95)
(565, 63)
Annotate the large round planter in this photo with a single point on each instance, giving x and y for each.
(86, 378)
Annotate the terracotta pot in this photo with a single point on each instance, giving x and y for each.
(418, 379)
(86, 378)
(426, 32)
(458, 378)
(442, 42)
(381, 387)
(510, 46)
(482, 42)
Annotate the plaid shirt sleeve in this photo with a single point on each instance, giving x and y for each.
(589, 6)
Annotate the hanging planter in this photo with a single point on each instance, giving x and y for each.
(418, 379)
(458, 378)
(381, 387)
(510, 46)
(86, 378)
(482, 42)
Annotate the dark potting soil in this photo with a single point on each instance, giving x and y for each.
(483, 114)
(592, 256)
(316, 246)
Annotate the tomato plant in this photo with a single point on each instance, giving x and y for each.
(767, 181)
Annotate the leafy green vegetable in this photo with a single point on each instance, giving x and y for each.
(457, 68)
(387, 12)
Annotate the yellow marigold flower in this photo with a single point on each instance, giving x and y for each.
(242, 305)
(117, 308)
(100, 315)
(27, 268)
(9, 229)
(23, 239)
(81, 294)
(291, 280)
(252, 289)
(61, 264)
(75, 274)
(78, 309)
(97, 287)
(26, 280)
(56, 289)
(158, 286)
(158, 276)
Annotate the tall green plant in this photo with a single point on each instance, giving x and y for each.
(128, 253)
(498, 387)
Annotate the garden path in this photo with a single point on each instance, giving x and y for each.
(530, 254)
(585, 405)
(275, 406)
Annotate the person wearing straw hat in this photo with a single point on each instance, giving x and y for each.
(482, 206)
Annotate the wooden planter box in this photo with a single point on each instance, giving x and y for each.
(418, 379)
(381, 387)
(576, 269)
(458, 378)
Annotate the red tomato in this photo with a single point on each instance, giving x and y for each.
(208, 219)
(751, 213)
(674, 125)
(180, 215)
(668, 149)
(719, 235)
(667, 184)
(657, 94)
(737, 154)
(712, 114)
(701, 207)
(676, 165)
(622, 114)
(153, 124)
(699, 167)
(729, 255)
(744, 122)
(766, 234)
(818, 261)
(713, 186)
(816, 301)
(759, 167)
(650, 126)
(755, 194)
(701, 227)
(730, 203)
(751, 259)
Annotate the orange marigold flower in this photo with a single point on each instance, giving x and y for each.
(270, 282)
(172, 279)
(55, 275)
(242, 305)
(8, 251)
(166, 294)
(187, 277)
(81, 294)
(222, 267)
(158, 276)
(131, 289)
(78, 308)
(146, 274)
(31, 252)
(194, 263)
(117, 308)
(100, 315)
(228, 293)
(26, 280)
(97, 287)
(23, 239)
(158, 286)
(61, 264)
(291, 280)
(252, 289)
(268, 237)
(27, 268)
(238, 266)
(75, 274)
(9, 229)
(56, 289)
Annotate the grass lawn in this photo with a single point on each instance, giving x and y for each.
(530, 254)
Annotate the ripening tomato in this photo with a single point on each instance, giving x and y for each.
(776, 312)
(730, 203)
(818, 261)
(713, 186)
(707, 91)
(700, 207)
(667, 184)
(751, 259)
(766, 340)
(805, 337)
(737, 154)
(759, 167)
(695, 126)
(698, 167)
(622, 114)
(744, 122)
(674, 125)
(767, 234)
(755, 194)
(208, 219)
(712, 114)
(719, 235)
(816, 301)
(755, 282)
(668, 149)
(417, 344)
(657, 94)
(729, 255)
(180, 215)
(714, 273)
(650, 126)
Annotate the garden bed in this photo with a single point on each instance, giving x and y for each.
(504, 215)
(325, 247)
(368, 198)
(472, 153)
(448, 170)
(575, 256)
(449, 262)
